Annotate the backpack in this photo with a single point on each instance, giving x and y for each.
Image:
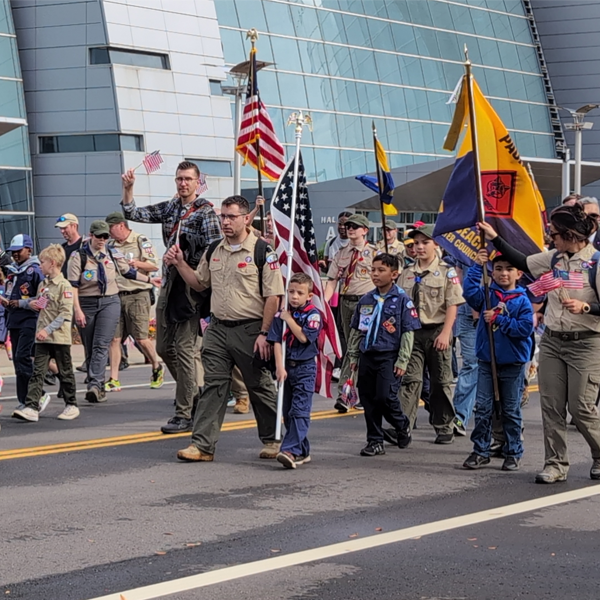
(592, 271)
(260, 259)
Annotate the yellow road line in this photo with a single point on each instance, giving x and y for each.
(136, 438)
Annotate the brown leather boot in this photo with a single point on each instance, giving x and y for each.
(242, 406)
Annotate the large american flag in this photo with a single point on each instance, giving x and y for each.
(257, 128)
(554, 280)
(305, 259)
(152, 161)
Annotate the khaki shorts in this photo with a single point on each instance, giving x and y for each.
(135, 315)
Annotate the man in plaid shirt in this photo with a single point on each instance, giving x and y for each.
(191, 222)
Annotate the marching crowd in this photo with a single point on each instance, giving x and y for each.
(401, 306)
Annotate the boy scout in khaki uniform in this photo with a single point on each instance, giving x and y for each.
(54, 302)
(237, 334)
(394, 245)
(436, 292)
(351, 267)
(135, 299)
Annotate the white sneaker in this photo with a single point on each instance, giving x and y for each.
(19, 407)
(44, 401)
(71, 412)
(335, 375)
(27, 414)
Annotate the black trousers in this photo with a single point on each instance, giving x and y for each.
(61, 353)
(378, 391)
(22, 340)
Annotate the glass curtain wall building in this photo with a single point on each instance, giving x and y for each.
(16, 198)
(394, 62)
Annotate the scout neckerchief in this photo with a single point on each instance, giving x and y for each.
(288, 336)
(351, 269)
(417, 287)
(102, 283)
(502, 300)
(373, 327)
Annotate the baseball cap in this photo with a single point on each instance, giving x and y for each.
(20, 241)
(99, 227)
(426, 230)
(66, 219)
(115, 218)
(390, 224)
(359, 220)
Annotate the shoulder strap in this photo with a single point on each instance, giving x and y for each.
(211, 249)
(260, 258)
(555, 258)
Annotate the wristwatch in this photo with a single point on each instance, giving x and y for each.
(585, 308)
(265, 333)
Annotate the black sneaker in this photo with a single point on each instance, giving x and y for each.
(177, 425)
(476, 461)
(93, 395)
(511, 463)
(390, 436)
(82, 368)
(123, 365)
(341, 406)
(444, 438)
(60, 393)
(373, 449)
(496, 449)
(50, 378)
(459, 427)
(358, 406)
(404, 438)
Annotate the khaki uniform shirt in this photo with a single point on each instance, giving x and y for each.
(139, 247)
(558, 318)
(439, 289)
(233, 278)
(87, 275)
(360, 283)
(396, 248)
(59, 293)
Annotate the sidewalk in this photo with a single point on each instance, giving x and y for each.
(77, 354)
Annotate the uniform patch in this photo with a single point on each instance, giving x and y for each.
(391, 320)
(367, 253)
(24, 288)
(363, 271)
(314, 321)
(30, 271)
(68, 294)
(146, 245)
(455, 280)
(274, 266)
(248, 259)
(216, 260)
(151, 254)
(414, 314)
(452, 273)
(366, 310)
(272, 258)
(389, 327)
(117, 254)
(241, 265)
(437, 274)
(364, 321)
(410, 304)
(88, 275)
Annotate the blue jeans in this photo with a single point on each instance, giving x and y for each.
(298, 391)
(466, 386)
(510, 382)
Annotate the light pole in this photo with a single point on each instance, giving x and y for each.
(578, 125)
(239, 73)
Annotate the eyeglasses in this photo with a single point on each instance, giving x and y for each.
(553, 235)
(353, 226)
(185, 179)
(231, 217)
(102, 236)
(594, 216)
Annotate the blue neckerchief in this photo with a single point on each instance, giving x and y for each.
(102, 284)
(375, 321)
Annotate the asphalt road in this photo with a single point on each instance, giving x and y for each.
(89, 509)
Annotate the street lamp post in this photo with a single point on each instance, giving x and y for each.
(578, 125)
(239, 73)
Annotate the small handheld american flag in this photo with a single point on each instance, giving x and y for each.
(202, 185)
(554, 280)
(152, 161)
(42, 302)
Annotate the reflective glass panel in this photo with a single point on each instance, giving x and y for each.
(345, 97)
(233, 46)
(293, 92)
(287, 53)
(251, 14)
(306, 22)
(11, 99)
(350, 132)
(364, 65)
(319, 92)
(226, 12)
(313, 58)
(279, 18)
(14, 148)
(8, 57)
(6, 22)
(324, 129)
(332, 26)
(338, 59)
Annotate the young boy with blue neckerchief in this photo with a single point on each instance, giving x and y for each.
(380, 346)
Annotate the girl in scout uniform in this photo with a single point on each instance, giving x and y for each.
(93, 274)
(436, 292)
(569, 370)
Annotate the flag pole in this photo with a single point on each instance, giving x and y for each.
(299, 118)
(481, 218)
(253, 35)
(380, 185)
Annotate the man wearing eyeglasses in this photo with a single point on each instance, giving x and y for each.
(191, 223)
(590, 205)
(69, 229)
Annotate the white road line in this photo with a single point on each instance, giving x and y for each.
(83, 390)
(316, 554)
